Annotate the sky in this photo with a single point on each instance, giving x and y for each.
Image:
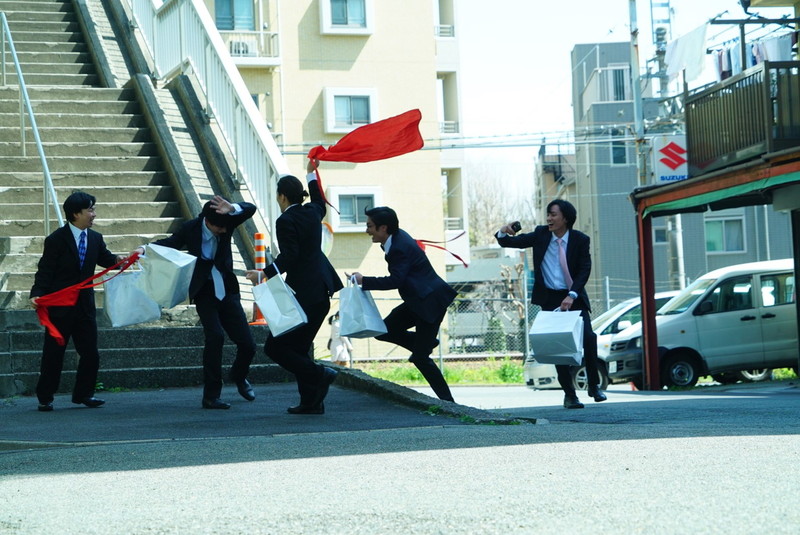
(515, 60)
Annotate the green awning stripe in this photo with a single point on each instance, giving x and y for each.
(713, 196)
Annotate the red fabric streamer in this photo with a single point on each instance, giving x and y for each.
(388, 138)
(376, 141)
(423, 243)
(67, 297)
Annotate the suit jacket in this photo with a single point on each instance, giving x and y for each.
(579, 260)
(411, 273)
(299, 233)
(190, 237)
(59, 267)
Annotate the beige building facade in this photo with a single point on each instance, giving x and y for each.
(317, 69)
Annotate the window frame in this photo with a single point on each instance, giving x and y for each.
(725, 220)
(327, 27)
(330, 95)
(335, 192)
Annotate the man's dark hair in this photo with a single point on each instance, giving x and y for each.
(567, 210)
(211, 215)
(76, 202)
(383, 215)
(293, 189)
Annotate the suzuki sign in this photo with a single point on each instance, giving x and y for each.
(670, 162)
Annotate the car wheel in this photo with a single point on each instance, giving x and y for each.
(725, 378)
(680, 370)
(754, 376)
(580, 382)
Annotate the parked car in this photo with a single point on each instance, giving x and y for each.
(606, 325)
(737, 322)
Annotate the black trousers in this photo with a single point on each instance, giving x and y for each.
(420, 342)
(293, 351)
(553, 301)
(218, 318)
(82, 329)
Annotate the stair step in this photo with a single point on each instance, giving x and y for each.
(36, 5)
(63, 164)
(76, 80)
(79, 120)
(119, 210)
(26, 58)
(69, 93)
(21, 194)
(34, 36)
(46, 27)
(33, 227)
(31, 69)
(88, 150)
(34, 245)
(53, 47)
(88, 135)
(82, 179)
(19, 14)
(83, 106)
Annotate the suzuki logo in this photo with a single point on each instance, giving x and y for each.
(674, 155)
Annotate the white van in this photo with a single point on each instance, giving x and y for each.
(741, 317)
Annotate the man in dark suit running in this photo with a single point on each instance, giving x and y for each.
(561, 267)
(214, 290)
(425, 295)
(70, 255)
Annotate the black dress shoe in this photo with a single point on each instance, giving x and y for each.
(328, 377)
(597, 394)
(46, 407)
(215, 404)
(246, 390)
(92, 402)
(307, 409)
(572, 402)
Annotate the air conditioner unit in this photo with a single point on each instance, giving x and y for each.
(240, 48)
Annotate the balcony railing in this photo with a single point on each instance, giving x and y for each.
(445, 30)
(753, 113)
(448, 127)
(252, 44)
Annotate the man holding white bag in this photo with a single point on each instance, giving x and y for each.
(214, 290)
(561, 267)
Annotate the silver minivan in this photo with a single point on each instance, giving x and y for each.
(736, 318)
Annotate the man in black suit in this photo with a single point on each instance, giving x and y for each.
(70, 255)
(312, 277)
(214, 290)
(425, 295)
(559, 284)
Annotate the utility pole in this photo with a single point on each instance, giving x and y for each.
(636, 82)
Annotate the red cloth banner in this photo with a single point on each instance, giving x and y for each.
(376, 141)
(423, 243)
(67, 297)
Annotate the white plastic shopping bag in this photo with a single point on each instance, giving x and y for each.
(557, 337)
(358, 315)
(167, 274)
(277, 303)
(125, 303)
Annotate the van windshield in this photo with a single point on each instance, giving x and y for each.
(686, 298)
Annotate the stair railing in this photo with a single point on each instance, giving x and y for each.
(25, 105)
(181, 37)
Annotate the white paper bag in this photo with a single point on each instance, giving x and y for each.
(358, 315)
(125, 303)
(280, 308)
(557, 337)
(168, 273)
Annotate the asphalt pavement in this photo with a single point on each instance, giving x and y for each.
(385, 459)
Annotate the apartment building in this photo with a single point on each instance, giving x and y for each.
(606, 172)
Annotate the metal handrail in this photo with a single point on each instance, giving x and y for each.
(180, 37)
(25, 104)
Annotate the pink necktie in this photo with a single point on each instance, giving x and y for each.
(562, 259)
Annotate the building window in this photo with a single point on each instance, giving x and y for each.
(348, 108)
(725, 235)
(234, 14)
(347, 17)
(351, 202)
(659, 235)
(351, 209)
(619, 149)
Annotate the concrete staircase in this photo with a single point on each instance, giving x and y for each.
(98, 140)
